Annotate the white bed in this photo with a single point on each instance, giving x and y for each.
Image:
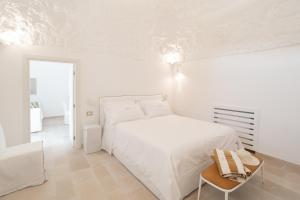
(167, 153)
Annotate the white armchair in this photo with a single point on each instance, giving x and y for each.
(21, 166)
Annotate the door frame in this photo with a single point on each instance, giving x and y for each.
(26, 92)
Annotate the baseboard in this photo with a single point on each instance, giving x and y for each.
(53, 117)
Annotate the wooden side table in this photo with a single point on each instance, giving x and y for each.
(211, 176)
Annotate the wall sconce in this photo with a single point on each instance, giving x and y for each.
(174, 58)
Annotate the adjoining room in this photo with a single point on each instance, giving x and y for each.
(51, 102)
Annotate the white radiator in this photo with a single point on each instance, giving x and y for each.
(244, 121)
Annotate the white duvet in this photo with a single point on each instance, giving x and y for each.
(167, 153)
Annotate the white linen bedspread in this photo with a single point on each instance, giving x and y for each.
(168, 153)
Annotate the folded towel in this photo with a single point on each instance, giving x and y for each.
(230, 166)
(247, 158)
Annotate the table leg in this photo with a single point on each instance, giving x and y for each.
(262, 174)
(226, 195)
(199, 189)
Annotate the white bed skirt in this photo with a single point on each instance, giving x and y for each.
(189, 184)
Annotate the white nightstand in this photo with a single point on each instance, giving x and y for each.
(92, 138)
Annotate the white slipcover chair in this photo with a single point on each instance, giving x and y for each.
(21, 166)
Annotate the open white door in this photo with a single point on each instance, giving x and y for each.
(72, 79)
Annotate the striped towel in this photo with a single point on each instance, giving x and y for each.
(230, 166)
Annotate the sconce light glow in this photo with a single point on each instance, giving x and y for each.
(172, 57)
(179, 76)
(17, 37)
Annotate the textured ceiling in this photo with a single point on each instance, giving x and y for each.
(137, 28)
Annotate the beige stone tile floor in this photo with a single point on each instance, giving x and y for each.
(54, 133)
(73, 175)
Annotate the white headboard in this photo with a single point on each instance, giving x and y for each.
(133, 98)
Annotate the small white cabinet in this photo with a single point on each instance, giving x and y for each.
(92, 138)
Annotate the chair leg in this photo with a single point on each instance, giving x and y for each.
(199, 189)
(226, 195)
(262, 174)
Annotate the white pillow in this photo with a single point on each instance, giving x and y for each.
(155, 108)
(2, 140)
(111, 104)
(122, 112)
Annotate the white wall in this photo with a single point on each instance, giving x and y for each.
(11, 95)
(268, 81)
(113, 47)
(98, 75)
(52, 80)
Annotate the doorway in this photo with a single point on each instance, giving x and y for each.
(52, 102)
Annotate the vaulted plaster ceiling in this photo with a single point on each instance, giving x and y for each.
(140, 27)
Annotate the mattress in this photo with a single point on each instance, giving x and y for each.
(168, 153)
